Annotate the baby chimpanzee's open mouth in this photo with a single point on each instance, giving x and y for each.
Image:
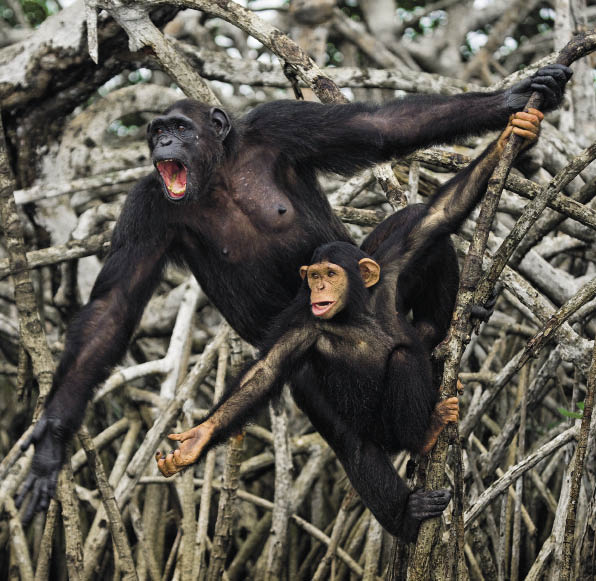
(321, 308)
(173, 174)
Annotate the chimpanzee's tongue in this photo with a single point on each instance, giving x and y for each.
(173, 174)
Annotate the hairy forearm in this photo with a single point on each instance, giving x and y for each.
(258, 384)
(458, 197)
(96, 341)
(243, 401)
(421, 121)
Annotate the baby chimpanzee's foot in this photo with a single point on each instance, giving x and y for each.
(484, 312)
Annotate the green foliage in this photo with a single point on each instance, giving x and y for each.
(35, 11)
(573, 415)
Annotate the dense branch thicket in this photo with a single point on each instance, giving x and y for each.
(274, 503)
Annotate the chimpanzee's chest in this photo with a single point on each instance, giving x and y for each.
(355, 349)
(351, 368)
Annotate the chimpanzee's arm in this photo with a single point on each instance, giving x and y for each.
(368, 466)
(450, 206)
(240, 403)
(346, 138)
(96, 340)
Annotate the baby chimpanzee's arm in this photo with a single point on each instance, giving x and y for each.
(237, 406)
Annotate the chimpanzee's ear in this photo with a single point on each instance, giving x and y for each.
(221, 122)
(370, 271)
(303, 271)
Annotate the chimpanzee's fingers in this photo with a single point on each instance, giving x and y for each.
(428, 504)
(549, 89)
(452, 403)
(440, 495)
(161, 464)
(167, 466)
(523, 125)
(177, 437)
(548, 79)
(536, 113)
(31, 507)
(53, 482)
(44, 497)
(24, 490)
(523, 117)
(530, 135)
(560, 72)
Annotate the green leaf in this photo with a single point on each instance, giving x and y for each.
(567, 414)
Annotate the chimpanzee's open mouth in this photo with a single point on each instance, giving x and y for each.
(173, 174)
(319, 309)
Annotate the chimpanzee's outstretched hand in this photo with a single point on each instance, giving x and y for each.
(192, 444)
(550, 81)
(49, 439)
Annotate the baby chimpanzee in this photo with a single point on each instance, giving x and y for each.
(356, 365)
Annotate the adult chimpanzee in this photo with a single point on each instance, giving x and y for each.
(356, 365)
(239, 204)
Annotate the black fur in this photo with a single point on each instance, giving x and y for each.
(364, 377)
(252, 214)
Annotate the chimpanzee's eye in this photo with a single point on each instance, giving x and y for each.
(181, 128)
(331, 273)
(314, 275)
(159, 131)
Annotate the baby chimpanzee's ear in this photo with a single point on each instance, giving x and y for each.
(303, 271)
(370, 271)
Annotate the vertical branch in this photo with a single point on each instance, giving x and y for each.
(227, 498)
(502, 552)
(18, 541)
(372, 550)
(136, 520)
(106, 492)
(336, 532)
(42, 569)
(179, 353)
(519, 485)
(73, 537)
(578, 468)
(225, 512)
(199, 571)
(461, 323)
(32, 335)
(277, 549)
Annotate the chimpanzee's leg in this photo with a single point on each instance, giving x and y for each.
(432, 297)
(409, 398)
(430, 289)
(367, 465)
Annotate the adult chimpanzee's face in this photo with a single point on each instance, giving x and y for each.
(186, 152)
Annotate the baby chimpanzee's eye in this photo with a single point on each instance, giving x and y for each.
(331, 273)
(181, 128)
